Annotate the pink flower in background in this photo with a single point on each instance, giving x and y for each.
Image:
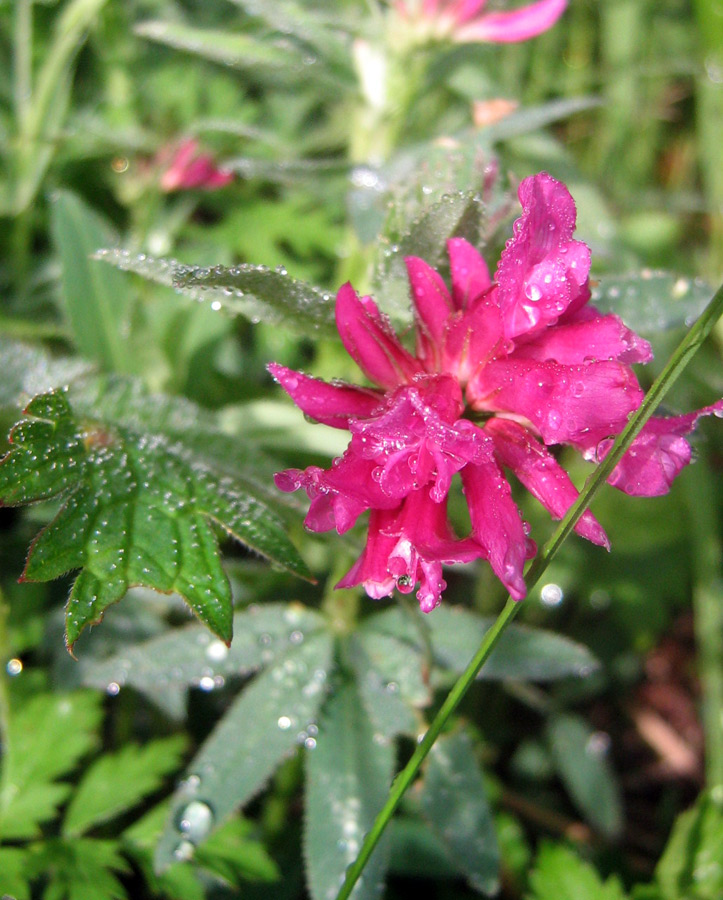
(464, 21)
(503, 369)
(188, 168)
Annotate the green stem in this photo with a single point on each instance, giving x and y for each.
(708, 617)
(22, 57)
(4, 653)
(677, 363)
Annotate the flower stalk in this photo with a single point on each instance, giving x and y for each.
(685, 351)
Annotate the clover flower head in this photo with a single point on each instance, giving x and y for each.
(503, 369)
(464, 21)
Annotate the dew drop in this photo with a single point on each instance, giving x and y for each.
(551, 594)
(14, 666)
(183, 851)
(195, 821)
(284, 723)
(217, 651)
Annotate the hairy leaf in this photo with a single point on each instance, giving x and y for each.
(454, 802)
(523, 653)
(263, 726)
(81, 869)
(164, 667)
(138, 510)
(579, 756)
(348, 776)
(690, 866)
(256, 292)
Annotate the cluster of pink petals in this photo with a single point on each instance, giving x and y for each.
(189, 168)
(503, 369)
(464, 21)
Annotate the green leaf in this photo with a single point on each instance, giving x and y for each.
(240, 50)
(14, 871)
(233, 854)
(29, 370)
(559, 874)
(96, 299)
(118, 781)
(453, 215)
(523, 653)
(389, 679)
(81, 869)
(165, 667)
(348, 777)
(263, 726)
(454, 802)
(417, 851)
(47, 736)
(690, 867)
(651, 301)
(256, 292)
(586, 772)
(137, 511)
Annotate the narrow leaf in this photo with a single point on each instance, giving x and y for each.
(256, 292)
(580, 760)
(454, 803)
(348, 776)
(523, 653)
(96, 299)
(165, 667)
(263, 726)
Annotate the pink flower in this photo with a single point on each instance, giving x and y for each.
(189, 169)
(464, 21)
(503, 369)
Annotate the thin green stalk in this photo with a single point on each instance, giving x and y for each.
(4, 699)
(22, 57)
(677, 363)
(708, 617)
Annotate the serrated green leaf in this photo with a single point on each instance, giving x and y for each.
(96, 299)
(522, 653)
(582, 765)
(46, 738)
(138, 510)
(389, 679)
(256, 292)
(690, 867)
(650, 301)
(118, 781)
(241, 50)
(348, 777)
(454, 215)
(14, 873)
(264, 725)
(560, 874)
(81, 869)
(166, 666)
(454, 802)
(234, 855)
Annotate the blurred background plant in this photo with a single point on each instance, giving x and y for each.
(325, 143)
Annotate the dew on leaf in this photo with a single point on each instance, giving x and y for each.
(195, 820)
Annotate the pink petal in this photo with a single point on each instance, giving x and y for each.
(593, 339)
(473, 336)
(517, 25)
(371, 569)
(432, 305)
(496, 523)
(657, 455)
(470, 275)
(542, 272)
(541, 474)
(371, 342)
(566, 404)
(331, 404)
(464, 10)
